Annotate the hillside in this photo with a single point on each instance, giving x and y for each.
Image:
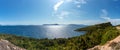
(95, 27)
(97, 34)
(110, 45)
(6, 45)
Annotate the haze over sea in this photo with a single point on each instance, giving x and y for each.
(42, 31)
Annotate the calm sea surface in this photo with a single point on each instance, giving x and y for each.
(52, 31)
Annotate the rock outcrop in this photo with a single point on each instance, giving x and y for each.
(6, 45)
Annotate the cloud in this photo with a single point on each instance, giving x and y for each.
(115, 21)
(57, 5)
(63, 14)
(104, 15)
(85, 22)
(68, 0)
(78, 6)
(80, 2)
(77, 2)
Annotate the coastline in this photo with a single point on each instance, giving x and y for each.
(83, 42)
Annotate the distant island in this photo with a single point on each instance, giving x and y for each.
(98, 34)
(64, 24)
(50, 24)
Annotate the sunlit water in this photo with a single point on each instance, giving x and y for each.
(53, 31)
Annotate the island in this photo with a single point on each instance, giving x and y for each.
(98, 34)
(50, 24)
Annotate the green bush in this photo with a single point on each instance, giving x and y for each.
(95, 35)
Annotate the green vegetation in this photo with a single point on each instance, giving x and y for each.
(95, 27)
(95, 35)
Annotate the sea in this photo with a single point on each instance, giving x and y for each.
(42, 31)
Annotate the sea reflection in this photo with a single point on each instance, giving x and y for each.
(55, 31)
(51, 31)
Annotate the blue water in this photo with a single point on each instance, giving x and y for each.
(52, 31)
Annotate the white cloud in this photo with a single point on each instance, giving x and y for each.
(68, 0)
(80, 2)
(57, 5)
(85, 22)
(77, 2)
(78, 6)
(63, 14)
(105, 16)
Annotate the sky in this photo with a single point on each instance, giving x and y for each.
(37, 12)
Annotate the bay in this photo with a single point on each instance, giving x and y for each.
(42, 31)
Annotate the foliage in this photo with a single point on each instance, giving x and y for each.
(95, 35)
(95, 27)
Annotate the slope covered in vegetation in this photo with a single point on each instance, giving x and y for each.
(95, 35)
(110, 45)
(6, 45)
